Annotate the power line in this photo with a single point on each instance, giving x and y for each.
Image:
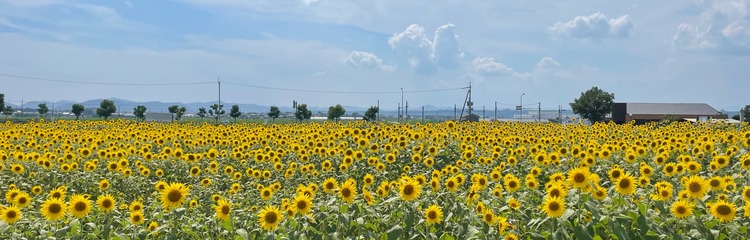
(340, 92)
(230, 83)
(102, 83)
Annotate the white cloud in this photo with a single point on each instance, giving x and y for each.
(446, 50)
(722, 26)
(367, 60)
(310, 2)
(425, 55)
(594, 26)
(488, 66)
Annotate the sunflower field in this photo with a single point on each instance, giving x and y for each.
(358, 180)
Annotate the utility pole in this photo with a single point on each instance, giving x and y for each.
(406, 111)
(495, 119)
(218, 109)
(422, 114)
(454, 111)
(399, 112)
(470, 103)
(539, 112)
(402, 104)
(482, 111)
(377, 118)
(52, 119)
(520, 109)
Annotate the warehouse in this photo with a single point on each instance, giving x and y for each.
(649, 112)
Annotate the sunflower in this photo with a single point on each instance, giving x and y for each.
(696, 187)
(11, 194)
(578, 177)
(302, 204)
(80, 206)
(682, 209)
(451, 184)
(511, 183)
(174, 195)
(10, 214)
(266, 193)
(410, 190)
(195, 171)
(58, 193)
(270, 217)
(511, 236)
(330, 185)
(53, 209)
(746, 194)
(488, 216)
(747, 209)
(36, 189)
(502, 224)
(153, 226)
(22, 200)
(723, 211)
(514, 204)
(223, 208)
(554, 206)
(716, 183)
(136, 206)
(136, 218)
(347, 191)
(106, 202)
(625, 184)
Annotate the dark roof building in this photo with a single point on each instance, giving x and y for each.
(650, 112)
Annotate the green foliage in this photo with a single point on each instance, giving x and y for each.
(140, 112)
(7, 111)
(2, 101)
(593, 104)
(234, 112)
(335, 112)
(302, 112)
(106, 109)
(176, 111)
(201, 112)
(216, 111)
(746, 113)
(42, 109)
(77, 110)
(371, 113)
(274, 112)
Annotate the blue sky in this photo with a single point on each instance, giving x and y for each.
(642, 51)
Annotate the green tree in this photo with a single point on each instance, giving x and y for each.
(274, 113)
(201, 113)
(2, 102)
(140, 112)
(745, 112)
(181, 111)
(7, 111)
(335, 112)
(234, 112)
(176, 112)
(216, 111)
(593, 104)
(302, 112)
(77, 110)
(106, 109)
(42, 109)
(371, 114)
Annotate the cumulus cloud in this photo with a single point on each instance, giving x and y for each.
(426, 55)
(722, 25)
(594, 26)
(547, 69)
(367, 60)
(488, 66)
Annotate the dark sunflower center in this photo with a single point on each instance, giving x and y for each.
(681, 210)
(579, 178)
(554, 206)
(555, 193)
(137, 208)
(22, 200)
(302, 205)
(54, 208)
(512, 184)
(225, 209)
(136, 218)
(56, 195)
(346, 192)
(432, 214)
(329, 185)
(107, 203)
(11, 214)
(408, 190)
(451, 184)
(624, 183)
(616, 174)
(715, 183)
(270, 217)
(723, 209)
(174, 196)
(695, 187)
(80, 206)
